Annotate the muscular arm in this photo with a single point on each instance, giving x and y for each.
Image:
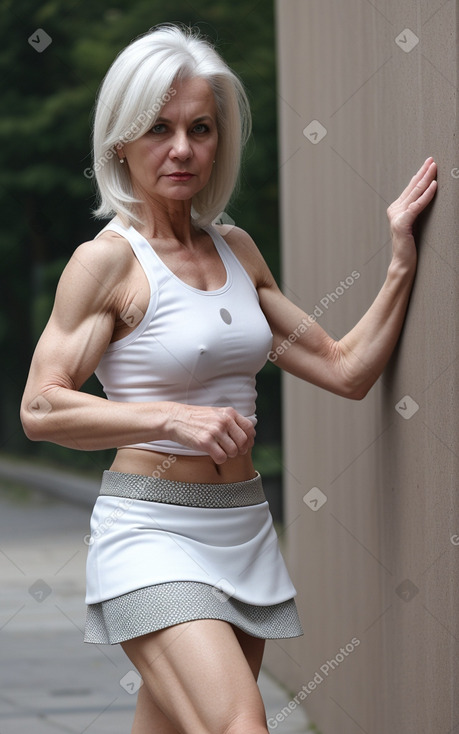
(78, 332)
(351, 365)
(90, 295)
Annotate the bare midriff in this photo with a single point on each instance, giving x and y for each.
(182, 468)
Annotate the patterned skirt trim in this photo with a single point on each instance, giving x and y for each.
(163, 553)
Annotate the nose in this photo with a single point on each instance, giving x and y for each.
(181, 147)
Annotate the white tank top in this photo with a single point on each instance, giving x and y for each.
(191, 346)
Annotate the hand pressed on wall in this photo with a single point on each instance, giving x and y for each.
(403, 212)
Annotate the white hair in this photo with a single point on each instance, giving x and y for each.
(139, 82)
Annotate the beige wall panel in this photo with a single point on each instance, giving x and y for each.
(375, 562)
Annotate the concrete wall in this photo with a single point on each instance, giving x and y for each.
(376, 561)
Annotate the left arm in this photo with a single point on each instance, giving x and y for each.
(350, 366)
(373, 339)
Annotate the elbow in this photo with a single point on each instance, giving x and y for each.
(29, 426)
(350, 380)
(358, 394)
(33, 418)
(355, 384)
(29, 429)
(354, 391)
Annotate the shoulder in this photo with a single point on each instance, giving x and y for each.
(248, 254)
(96, 269)
(109, 253)
(103, 261)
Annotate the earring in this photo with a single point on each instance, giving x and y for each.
(121, 160)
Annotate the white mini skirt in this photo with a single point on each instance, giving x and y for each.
(163, 552)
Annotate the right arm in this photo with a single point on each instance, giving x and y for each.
(90, 296)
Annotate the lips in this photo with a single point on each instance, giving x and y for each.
(180, 176)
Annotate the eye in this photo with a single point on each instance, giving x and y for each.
(201, 128)
(158, 129)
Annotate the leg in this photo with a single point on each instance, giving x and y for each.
(149, 719)
(253, 649)
(197, 675)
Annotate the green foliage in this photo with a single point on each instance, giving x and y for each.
(45, 199)
(313, 728)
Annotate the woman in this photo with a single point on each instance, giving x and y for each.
(176, 317)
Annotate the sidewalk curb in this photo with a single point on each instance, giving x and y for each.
(54, 481)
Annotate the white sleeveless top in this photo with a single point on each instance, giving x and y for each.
(191, 346)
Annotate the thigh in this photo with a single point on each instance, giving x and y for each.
(253, 649)
(149, 719)
(198, 675)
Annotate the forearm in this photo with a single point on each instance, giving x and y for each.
(81, 421)
(364, 352)
(89, 423)
(366, 349)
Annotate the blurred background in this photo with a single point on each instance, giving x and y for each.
(46, 199)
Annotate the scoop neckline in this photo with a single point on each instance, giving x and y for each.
(210, 231)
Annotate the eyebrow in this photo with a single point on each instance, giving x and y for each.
(197, 119)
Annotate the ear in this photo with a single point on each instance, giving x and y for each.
(120, 150)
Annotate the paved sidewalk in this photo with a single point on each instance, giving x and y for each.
(50, 681)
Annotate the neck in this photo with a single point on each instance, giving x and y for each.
(166, 219)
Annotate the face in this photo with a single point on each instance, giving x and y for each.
(174, 159)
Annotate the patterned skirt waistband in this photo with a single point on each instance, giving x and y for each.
(152, 489)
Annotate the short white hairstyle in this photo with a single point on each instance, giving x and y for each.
(137, 85)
